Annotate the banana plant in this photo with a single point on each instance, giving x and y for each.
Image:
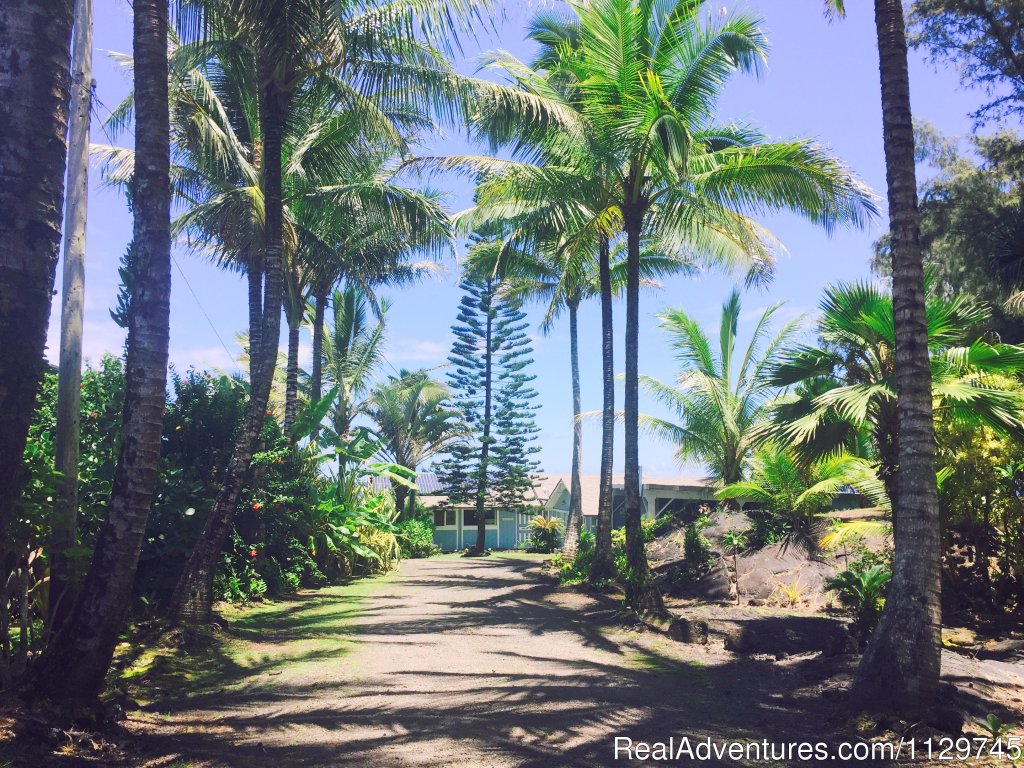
(353, 520)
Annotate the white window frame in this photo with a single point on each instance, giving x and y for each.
(448, 526)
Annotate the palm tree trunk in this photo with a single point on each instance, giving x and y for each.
(485, 441)
(641, 593)
(887, 439)
(291, 386)
(602, 567)
(316, 385)
(69, 378)
(900, 668)
(192, 601)
(254, 282)
(74, 666)
(575, 522)
(35, 59)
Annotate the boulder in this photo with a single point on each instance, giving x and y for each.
(741, 640)
(688, 631)
(763, 572)
(716, 585)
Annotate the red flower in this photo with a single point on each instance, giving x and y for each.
(94, 415)
(255, 505)
(252, 553)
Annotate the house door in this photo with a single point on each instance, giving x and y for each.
(523, 526)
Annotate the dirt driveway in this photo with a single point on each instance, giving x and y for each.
(466, 662)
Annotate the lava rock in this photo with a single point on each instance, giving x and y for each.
(687, 631)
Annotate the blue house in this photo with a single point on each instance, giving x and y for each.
(455, 526)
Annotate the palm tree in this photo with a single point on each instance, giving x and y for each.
(414, 423)
(644, 80)
(217, 159)
(900, 668)
(75, 665)
(343, 214)
(556, 199)
(343, 238)
(295, 41)
(35, 56)
(352, 351)
(652, 86)
(846, 385)
(719, 399)
(795, 495)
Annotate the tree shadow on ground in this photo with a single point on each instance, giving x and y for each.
(542, 704)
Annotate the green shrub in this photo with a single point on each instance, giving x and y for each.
(863, 593)
(545, 534)
(696, 549)
(416, 537)
(237, 580)
(576, 570)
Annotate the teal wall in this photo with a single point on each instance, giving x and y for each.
(447, 539)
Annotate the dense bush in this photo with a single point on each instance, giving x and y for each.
(575, 571)
(416, 537)
(697, 557)
(545, 534)
(271, 547)
(982, 513)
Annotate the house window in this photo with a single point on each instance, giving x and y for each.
(663, 506)
(686, 510)
(490, 517)
(444, 518)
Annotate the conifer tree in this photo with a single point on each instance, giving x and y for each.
(492, 465)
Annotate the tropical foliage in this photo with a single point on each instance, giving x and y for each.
(414, 419)
(719, 397)
(279, 139)
(844, 386)
(786, 499)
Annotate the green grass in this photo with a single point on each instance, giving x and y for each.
(649, 662)
(261, 645)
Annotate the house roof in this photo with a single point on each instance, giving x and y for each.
(676, 481)
(547, 488)
(426, 483)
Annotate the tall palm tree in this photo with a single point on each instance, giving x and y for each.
(35, 55)
(653, 82)
(413, 421)
(900, 668)
(74, 666)
(339, 194)
(846, 386)
(718, 397)
(646, 78)
(362, 229)
(294, 41)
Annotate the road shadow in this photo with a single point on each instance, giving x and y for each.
(559, 690)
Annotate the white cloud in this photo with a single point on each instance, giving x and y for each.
(98, 337)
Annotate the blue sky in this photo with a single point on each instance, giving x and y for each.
(821, 82)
